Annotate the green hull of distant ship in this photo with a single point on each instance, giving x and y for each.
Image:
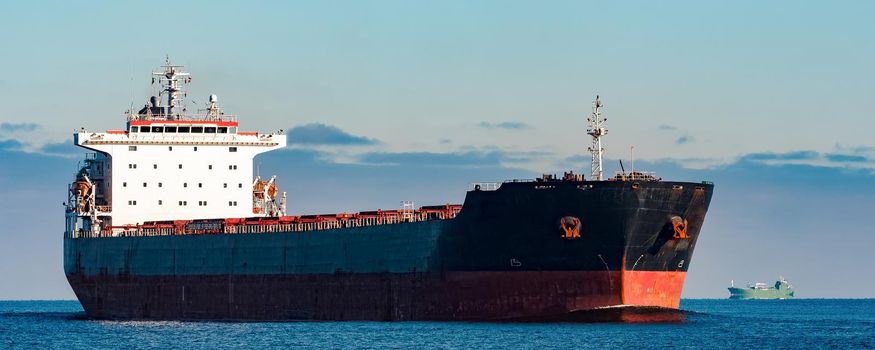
(781, 290)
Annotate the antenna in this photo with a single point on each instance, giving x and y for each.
(632, 160)
(131, 109)
(171, 78)
(596, 130)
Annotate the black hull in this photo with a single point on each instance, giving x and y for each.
(506, 256)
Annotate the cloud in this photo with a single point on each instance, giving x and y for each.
(684, 140)
(429, 159)
(684, 137)
(321, 134)
(845, 158)
(17, 127)
(504, 125)
(63, 149)
(795, 155)
(577, 158)
(10, 145)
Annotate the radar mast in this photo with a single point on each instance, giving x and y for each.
(171, 78)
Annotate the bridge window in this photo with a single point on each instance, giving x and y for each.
(210, 130)
(222, 130)
(144, 129)
(135, 129)
(184, 129)
(170, 129)
(157, 129)
(197, 129)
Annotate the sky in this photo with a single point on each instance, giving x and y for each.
(386, 101)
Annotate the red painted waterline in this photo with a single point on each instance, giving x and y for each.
(653, 288)
(471, 295)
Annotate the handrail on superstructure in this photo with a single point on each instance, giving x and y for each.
(183, 118)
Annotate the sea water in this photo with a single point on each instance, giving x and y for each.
(713, 324)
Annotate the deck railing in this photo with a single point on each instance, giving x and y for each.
(273, 224)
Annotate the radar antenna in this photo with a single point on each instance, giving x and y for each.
(171, 78)
(596, 130)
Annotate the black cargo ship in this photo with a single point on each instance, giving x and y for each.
(548, 249)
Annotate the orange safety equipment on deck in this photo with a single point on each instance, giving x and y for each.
(258, 190)
(271, 191)
(80, 188)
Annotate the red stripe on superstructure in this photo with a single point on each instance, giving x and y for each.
(121, 132)
(252, 133)
(183, 122)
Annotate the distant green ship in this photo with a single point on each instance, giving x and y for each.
(781, 290)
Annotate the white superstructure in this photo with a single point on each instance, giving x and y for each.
(167, 165)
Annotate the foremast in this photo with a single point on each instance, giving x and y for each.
(597, 130)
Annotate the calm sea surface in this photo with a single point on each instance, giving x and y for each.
(792, 324)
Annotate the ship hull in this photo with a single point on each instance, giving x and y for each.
(460, 296)
(505, 257)
(747, 293)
